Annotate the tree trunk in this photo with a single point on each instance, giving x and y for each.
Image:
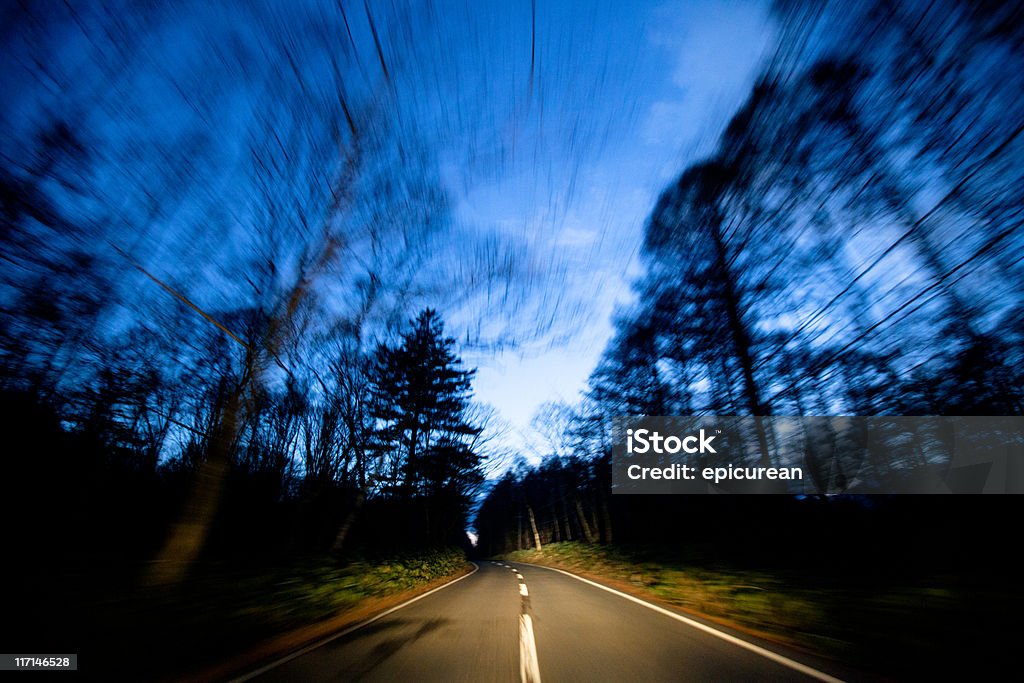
(606, 518)
(346, 526)
(188, 535)
(565, 520)
(741, 340)
(533, 525)
(588, 535)
(519, 531)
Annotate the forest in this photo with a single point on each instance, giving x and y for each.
(851, 247)
(235, 300)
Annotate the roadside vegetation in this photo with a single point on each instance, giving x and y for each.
(227, 611)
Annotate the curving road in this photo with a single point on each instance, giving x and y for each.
(515, 622)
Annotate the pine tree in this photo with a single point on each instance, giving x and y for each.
(420, 396)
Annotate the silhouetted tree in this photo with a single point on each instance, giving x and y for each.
(420, 401)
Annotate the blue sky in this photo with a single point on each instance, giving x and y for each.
(681, 69)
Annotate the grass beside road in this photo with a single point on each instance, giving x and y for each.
(241, 614)
(893, 627)
(755, 600)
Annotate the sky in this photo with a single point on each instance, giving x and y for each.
(685, 67)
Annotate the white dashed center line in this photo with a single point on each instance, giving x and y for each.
(529, 672)
(529, 669)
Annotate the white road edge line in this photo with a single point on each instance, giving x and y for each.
(529, 670)
(523, 591)
(520, 576)
(768, 654)
(350, 629)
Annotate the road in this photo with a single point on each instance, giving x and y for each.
(516, 622)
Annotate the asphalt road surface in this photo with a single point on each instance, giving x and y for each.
(516, 622)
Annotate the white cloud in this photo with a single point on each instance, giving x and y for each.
(716, 48)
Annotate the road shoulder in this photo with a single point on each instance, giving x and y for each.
(293, 643)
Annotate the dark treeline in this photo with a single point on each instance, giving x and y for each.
(217, 226)
(393, 465)
(851, 246)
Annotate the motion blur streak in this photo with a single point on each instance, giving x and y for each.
(299, 297)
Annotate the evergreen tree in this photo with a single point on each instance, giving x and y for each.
(420, 397)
